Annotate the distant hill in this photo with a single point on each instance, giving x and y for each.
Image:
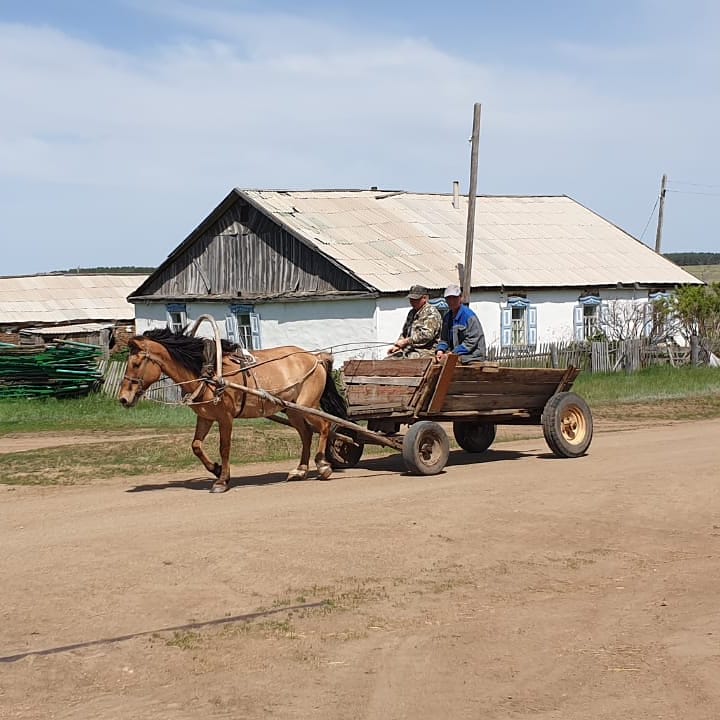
(694, 258)
(122, 270)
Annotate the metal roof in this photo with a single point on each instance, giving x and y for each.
(393, 240)
(60, 299)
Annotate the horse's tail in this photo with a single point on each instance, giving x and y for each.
(331, 401)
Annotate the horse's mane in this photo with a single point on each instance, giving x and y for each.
(186, 350)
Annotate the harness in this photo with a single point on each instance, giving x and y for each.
(140, 381)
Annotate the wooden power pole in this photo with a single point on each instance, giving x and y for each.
(661, 210)
(472, 192)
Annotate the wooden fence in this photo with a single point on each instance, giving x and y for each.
(625, 356)
(164, 390)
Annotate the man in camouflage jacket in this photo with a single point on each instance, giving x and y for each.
(421, 330)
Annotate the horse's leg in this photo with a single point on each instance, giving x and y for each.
(324, 468)
(226, 428)
(297, 420)
(202, 428)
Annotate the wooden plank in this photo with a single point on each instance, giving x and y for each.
(509, 374)
(386, 368)
(424, 391)
(366, 380)
(495, 402)
(378, 394)
(510, 415)
(443, 383)
(493, 387)
(376, 411)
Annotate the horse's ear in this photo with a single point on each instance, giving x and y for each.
(134, 344)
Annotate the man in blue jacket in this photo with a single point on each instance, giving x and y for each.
(462, 333)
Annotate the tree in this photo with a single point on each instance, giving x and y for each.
(696, 308)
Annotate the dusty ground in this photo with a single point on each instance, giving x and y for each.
(518, 586)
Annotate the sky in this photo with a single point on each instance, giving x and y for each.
(123, 123)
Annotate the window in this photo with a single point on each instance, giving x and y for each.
(587, 318)
(518, 323)
(176, 317)
(242, 326)
(656, 323)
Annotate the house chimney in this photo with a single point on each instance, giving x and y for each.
(456, 194)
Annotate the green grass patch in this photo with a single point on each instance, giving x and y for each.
(657, 383)
(94, 412)
(706, 273)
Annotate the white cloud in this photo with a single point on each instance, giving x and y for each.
(273, 100)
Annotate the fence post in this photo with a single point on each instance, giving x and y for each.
(553, 355)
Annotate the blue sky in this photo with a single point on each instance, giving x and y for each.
(125, 122)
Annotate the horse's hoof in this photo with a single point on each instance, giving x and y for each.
(219, 488)
(324, 471)
(296, 475)
(217, 470)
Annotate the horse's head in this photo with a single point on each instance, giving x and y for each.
(143, 369)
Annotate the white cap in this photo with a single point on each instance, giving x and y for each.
(453, 291)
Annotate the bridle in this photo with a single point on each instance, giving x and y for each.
(140, 381)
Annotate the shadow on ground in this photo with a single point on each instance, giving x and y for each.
(392, 464)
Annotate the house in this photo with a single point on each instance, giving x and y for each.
(85, 308)
(331, 268)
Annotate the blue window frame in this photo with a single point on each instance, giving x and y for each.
(176, 316)
(242, 326)
(518, 323)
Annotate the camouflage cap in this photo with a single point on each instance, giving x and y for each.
(417, 291)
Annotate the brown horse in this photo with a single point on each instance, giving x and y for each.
(288, 373)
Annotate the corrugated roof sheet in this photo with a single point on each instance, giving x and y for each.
(67, 298)
(393, 240)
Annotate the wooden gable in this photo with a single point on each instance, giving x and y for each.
(240, 252)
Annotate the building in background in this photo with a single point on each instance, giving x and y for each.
(84, 308)
(331, 269)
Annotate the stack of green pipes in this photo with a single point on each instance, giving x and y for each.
(60, 370)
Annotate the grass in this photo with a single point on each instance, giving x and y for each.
(706, 273)
(95, 412)
(660, 392)
(657, 383)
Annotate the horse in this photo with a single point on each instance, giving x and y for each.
(288, 373)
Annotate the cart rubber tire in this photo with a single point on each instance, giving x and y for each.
(474, 437)
(426, 448)
(567, 425)
(342, 454)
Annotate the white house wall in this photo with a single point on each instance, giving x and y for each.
(367, 327)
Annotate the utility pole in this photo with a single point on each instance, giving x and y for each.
(661, 210)
(472, 192)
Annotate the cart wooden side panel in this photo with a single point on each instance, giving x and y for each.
(484, 388)
(383, 387)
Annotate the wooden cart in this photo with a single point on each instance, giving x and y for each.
(475, 398)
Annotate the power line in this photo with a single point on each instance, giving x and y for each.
(652, 212)
(693, 192)
(693, 184)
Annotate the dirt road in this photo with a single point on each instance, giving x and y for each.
(519, 586)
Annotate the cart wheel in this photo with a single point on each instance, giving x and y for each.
(341, 453)
(474, 437)
(426, 448)
(567, 424)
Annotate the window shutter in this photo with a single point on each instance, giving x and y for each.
(532, 326)
(231, 329)
(506, 327)
(603, 316)
(255, 330)
(578, 328)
